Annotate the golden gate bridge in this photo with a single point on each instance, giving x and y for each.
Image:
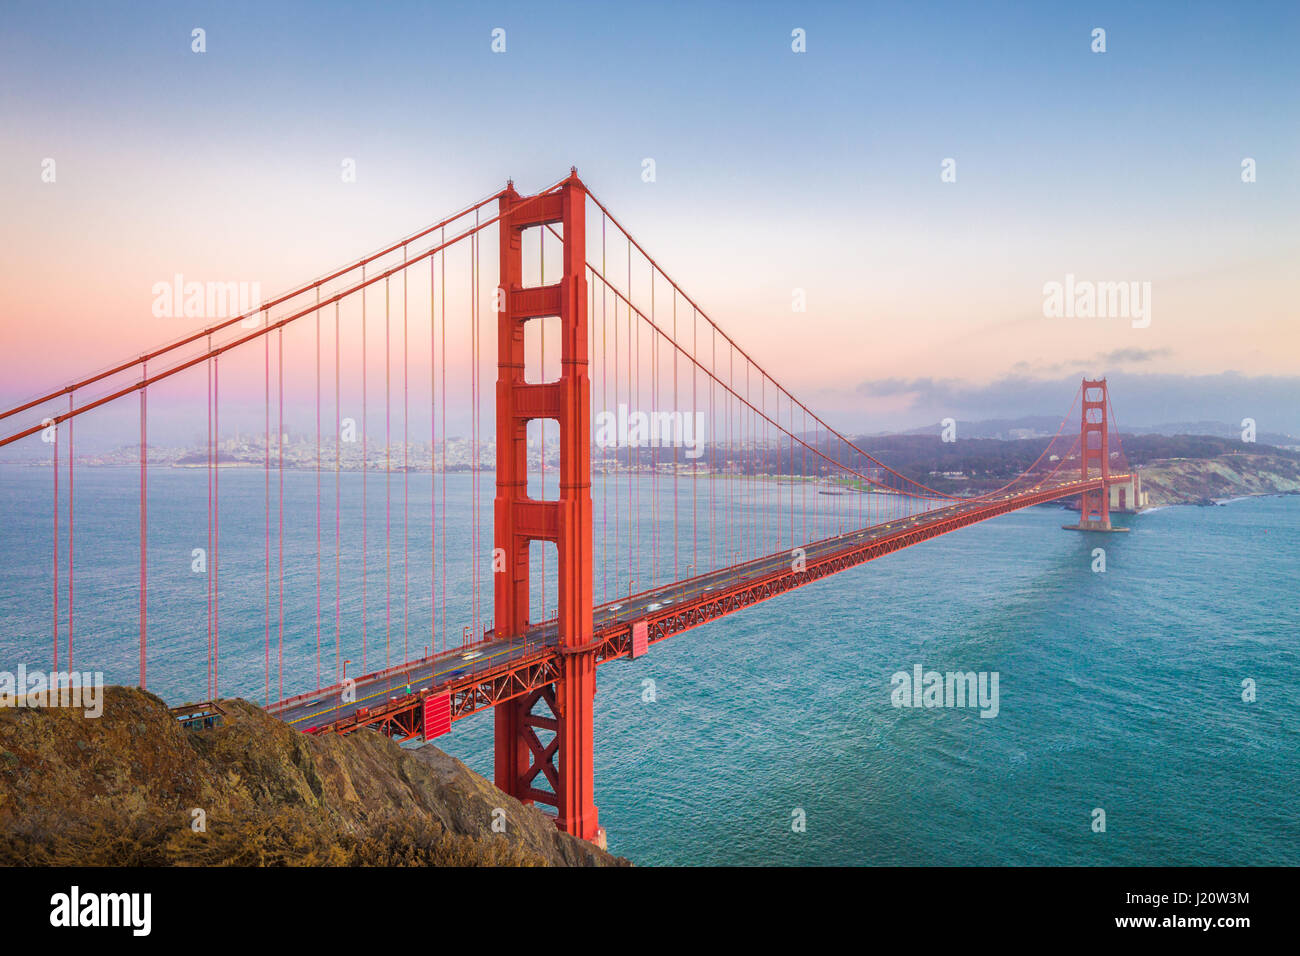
(668, 539)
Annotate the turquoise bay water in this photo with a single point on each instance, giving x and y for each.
(1120, 691)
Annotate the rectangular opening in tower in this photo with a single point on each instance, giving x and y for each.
(542, 254)
(542, 349)
(543, 439)
(543, 581)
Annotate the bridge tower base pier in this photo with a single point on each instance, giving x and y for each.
(563, 708)
(1094, 526)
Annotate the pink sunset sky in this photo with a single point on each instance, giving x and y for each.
(774, 172)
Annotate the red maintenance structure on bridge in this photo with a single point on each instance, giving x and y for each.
(776, 498)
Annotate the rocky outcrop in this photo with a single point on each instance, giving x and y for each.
(1175, 481)
(132, 787)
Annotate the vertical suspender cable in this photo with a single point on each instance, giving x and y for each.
(443, 329)
(338, 502)
(406, 465)
(434, 401)
(70, 526)
(266, 483)
(55, 557)
(604, 452)
(208, 576)
(279, 499)
(216, 528)
(388, 474)
(682, 433)
(318, 549)
(144, 534)
(541, 356)
(365, 452)
(473, 416)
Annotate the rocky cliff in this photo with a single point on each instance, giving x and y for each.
(133, 787)
(1175, 481)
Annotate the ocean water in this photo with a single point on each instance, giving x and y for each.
(1119, 691)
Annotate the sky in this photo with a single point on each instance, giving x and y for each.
(820, 171)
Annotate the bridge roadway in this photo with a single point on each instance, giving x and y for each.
(402, 687)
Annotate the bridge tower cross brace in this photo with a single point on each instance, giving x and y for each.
(565, 706)
(1094, 446)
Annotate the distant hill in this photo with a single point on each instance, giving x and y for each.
(1219, 430)
(976, 465)
(1034, 426)
(1004, 429)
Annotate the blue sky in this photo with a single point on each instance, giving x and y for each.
(775, 170)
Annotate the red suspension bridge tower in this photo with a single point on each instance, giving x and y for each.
(565, 761)
(1094, 448)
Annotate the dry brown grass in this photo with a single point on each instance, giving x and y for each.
(120, 790)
